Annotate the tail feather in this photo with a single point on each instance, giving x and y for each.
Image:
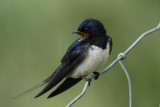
(32, 89)
(28, 91)
(68, 83)
(56, 77)
(55, 80)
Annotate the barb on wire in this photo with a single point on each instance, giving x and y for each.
(120, 57)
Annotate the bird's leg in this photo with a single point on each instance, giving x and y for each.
(96, 75)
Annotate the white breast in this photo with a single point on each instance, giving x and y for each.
(95, 58)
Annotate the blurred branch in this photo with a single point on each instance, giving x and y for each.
(120, 57)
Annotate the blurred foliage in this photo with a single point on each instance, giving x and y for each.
(35, 34)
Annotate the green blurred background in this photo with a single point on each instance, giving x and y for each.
(35, 34)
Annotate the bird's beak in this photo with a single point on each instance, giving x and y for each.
(77, 32)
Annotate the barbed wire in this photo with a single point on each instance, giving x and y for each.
(121, 56)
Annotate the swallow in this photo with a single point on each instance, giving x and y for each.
(84, 56)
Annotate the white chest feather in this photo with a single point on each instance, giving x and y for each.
(95, 58)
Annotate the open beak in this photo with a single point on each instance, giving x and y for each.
(77, 32)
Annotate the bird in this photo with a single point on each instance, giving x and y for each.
(83, 57)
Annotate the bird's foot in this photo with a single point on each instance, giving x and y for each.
(96, 75)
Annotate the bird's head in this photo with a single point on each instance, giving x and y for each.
(90, 28)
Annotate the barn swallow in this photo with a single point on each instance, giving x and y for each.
(85, 55)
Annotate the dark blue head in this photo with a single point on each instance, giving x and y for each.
(90, 28)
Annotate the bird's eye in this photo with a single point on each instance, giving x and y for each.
(85, 29)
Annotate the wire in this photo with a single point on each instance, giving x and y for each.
(121, 56)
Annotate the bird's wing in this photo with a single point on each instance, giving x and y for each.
(75, 54)
(110, 44)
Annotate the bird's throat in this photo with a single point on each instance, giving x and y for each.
(83, 36)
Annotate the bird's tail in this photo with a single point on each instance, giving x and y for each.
(28, 91)
(31, 89)
(68, 83)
